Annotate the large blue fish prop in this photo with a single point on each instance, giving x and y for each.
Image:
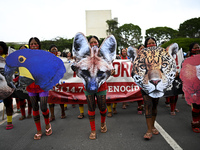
(39, 66)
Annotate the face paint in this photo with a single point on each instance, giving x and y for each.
(195, 51)
(55, 53)
(93, 44)
(151, 45)
(34, 46)
(124, 53)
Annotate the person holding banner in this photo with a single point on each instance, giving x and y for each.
(36, 94)
(54, 50)
(123, 56)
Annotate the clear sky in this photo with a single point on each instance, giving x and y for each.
(48, 19)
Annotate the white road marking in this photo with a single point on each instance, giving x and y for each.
(167, 137)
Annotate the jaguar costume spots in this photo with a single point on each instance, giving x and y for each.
(154, 68)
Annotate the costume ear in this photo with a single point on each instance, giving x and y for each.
(10, 50)
(108, 48)
(173, 49)
(132, 53)
(80, 46)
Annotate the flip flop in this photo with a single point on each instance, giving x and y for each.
(80, 116)
(9, 126)
(51, 119)
(37, 136)
(22, 118)
(148, 136)
(93, 136)
(155, 131)
(109, 114)
(47, 130)
(29, 116)
(62, 117)
(173, 113)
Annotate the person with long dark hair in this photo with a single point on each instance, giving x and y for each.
(91, 90)
(150, 104)
(37, 94)
(194, 49)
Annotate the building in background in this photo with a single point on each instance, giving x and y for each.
(96, 22)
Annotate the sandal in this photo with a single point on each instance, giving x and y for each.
(37, 136)
(148, 136)
(81, 116)
(63, 116)
(29, 116)
(51, 119)
(92, 136)
(18, 111)
(22, 117)
(167, 104)
(109, 114)
(9, 126)
(49, 131)
(155, 131)
(176, 110)
(140, 109)
(195, 127)
(114, 111)
(104, 128)
(124, 106)
(196, 130)
(139, 112)
(173, 113)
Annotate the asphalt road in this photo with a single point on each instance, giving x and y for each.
(125, 131)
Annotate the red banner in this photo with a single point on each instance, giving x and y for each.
(121, 87)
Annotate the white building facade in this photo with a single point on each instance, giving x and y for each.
(96, 22)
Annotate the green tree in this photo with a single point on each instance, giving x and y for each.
(112, 27)
(113, 30)
(130, 34)
(190, 28)
(161, 33)
(182, 42)
(60, 42)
